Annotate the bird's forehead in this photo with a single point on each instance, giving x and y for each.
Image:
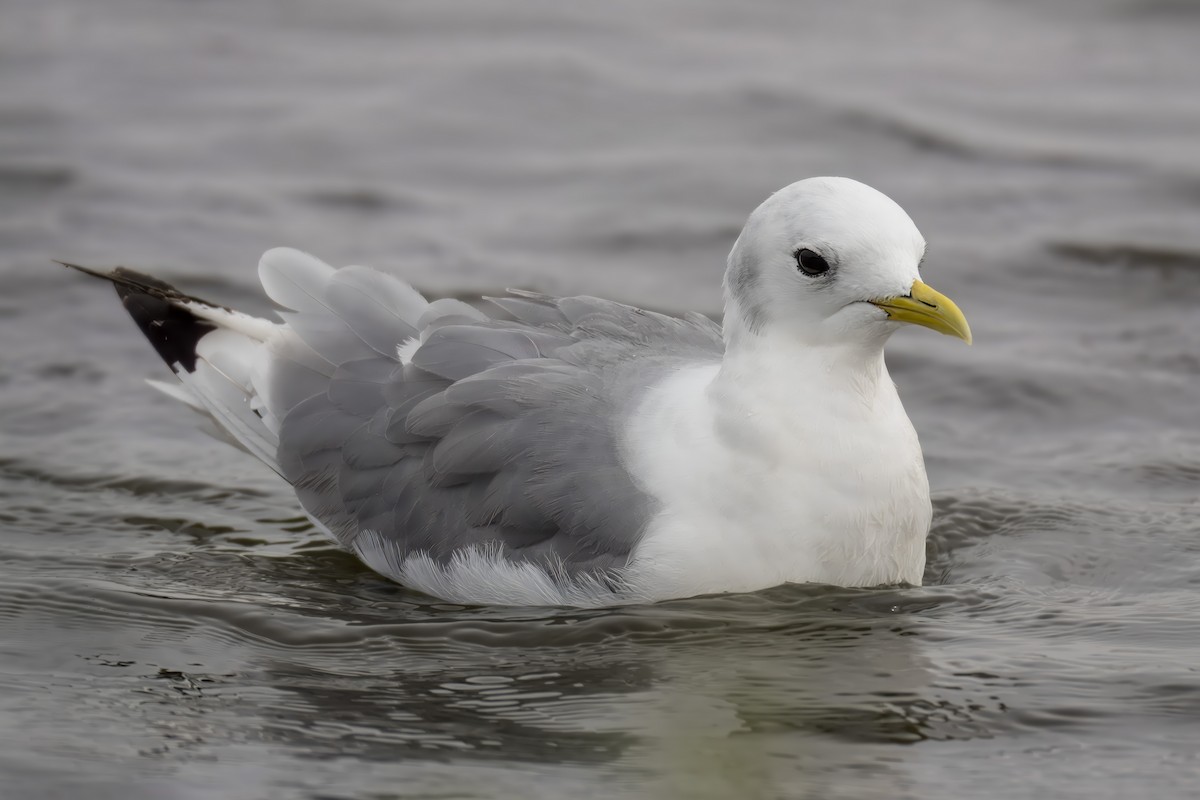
(848, 216)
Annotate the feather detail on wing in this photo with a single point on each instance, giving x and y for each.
(493, 435)
(494, 432)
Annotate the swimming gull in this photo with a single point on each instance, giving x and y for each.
(576, 451)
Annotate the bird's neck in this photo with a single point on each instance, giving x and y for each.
(778, 361)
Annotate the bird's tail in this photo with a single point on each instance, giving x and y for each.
(220, 356)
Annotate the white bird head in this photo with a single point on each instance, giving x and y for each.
(831, 260)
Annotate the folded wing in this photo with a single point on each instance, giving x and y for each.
(431, 430)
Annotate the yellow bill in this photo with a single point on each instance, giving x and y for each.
(927, 307)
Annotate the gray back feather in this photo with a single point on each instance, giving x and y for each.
(500, 433)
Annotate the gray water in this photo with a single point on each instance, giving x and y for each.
(171, 627)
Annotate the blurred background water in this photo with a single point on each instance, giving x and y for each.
(171, 627)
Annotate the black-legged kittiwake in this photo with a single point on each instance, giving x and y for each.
(576, 451)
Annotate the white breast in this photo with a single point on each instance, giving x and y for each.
(768, 475)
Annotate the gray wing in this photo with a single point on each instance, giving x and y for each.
(498, 431)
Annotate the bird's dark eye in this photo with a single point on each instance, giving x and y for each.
(811, 263)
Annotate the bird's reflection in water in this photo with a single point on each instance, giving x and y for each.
(723, 696)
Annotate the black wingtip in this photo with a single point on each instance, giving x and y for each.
(160, 312)
(95, 273)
